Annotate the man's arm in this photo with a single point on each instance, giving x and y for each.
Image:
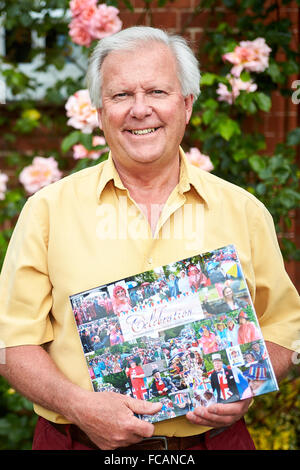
(281, 359)
(108, 418)
(219, 415)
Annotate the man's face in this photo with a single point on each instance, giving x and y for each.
(144, 114)
(218, 365)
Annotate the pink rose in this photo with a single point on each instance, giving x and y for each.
(81, 152)
(40, 173)
(249, 55)
(79, 33)
(200, 160)
(3, 188)
(90, 22)
(82, 114)
(105, 21)
(79, 6)
(87, 15)
(237, 85)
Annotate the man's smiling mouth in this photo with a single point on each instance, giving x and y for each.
(150, 130)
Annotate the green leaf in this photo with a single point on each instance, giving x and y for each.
(293, 137)
(86, 140)
(208, 116)
(289, 198)
(246, 101)
(245, 76)
(227, 128)
(263, 101)
(275, 73)
(261, 189)
(257, 163)
(229, 3)
(239, 155)
(128, 5)
(211, 104)
(59, 62)
(208, 79)
(290, 67)
(70, 140)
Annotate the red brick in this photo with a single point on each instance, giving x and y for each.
(189, 19)
(180, 4)
(165, 19)
(132, 19)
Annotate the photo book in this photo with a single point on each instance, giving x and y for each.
(184, 334)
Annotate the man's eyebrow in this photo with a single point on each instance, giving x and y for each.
(112, 89)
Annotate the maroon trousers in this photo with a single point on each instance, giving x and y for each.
(236, 437)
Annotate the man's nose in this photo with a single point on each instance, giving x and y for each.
(140, 106)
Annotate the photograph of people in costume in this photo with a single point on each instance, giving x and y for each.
(219, 356)
(164, 368)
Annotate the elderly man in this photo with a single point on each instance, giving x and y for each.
(143, 207)
(222, 381)
(161, 385)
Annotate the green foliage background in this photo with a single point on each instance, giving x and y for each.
(220, 130)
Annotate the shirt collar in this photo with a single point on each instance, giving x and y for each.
(189, 176)
(109, 173)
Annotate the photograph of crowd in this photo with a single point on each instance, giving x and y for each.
(221, 357)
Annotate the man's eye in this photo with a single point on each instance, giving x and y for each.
(158, 92)
(120, 95)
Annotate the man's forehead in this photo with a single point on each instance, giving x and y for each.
(128, 77)
(137, 47)
(158, 50)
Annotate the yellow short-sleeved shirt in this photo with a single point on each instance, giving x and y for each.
(84, 231)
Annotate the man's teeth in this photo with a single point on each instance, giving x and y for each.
(143, 131)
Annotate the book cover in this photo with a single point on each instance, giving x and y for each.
(185, 334)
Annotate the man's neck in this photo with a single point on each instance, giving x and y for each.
(150, 186)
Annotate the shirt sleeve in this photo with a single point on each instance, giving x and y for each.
(25, 288)
(276, 301)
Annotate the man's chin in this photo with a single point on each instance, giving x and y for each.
(146, 158)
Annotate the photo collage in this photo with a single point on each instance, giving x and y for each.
(185, 334)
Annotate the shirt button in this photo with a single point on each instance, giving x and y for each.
(150, 260)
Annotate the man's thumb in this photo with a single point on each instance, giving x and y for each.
(144, 407)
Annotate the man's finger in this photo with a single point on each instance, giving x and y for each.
(202, 417)
(219, 414)
(143, 406)
(229, 409)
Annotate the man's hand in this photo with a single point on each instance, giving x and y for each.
(108, 419)
(219, 415)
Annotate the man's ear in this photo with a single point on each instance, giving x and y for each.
(188, 101)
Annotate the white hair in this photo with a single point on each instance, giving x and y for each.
(130, 38)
